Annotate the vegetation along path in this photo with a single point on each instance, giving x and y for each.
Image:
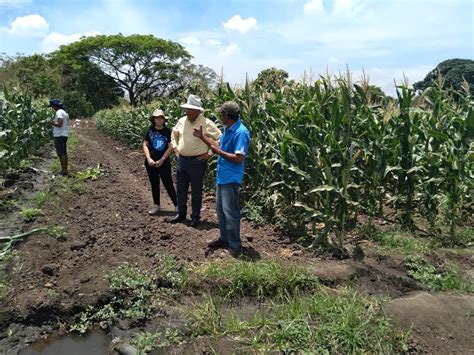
(84, 279)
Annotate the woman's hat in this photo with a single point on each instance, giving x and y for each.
(158, 113)
(193, 103)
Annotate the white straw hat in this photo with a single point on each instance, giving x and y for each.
(194, 103)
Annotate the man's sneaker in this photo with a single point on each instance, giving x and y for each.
(154, 210)
(195, 222)
(218, 243)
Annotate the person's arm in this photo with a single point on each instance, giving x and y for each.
(208, 141)
(165, 156)
(240, 150)
(146, 150)
(175, 139)
(234, 158)
(57, 122)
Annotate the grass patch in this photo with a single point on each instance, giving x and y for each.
(398, 241)
(261, 279)
(326, 322)
(145, 341)
(30, 214)
(464, 238)
(446, 278)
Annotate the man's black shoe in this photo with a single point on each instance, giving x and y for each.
(218, 243)
(195, 223)
(177, 219)
(236, 253)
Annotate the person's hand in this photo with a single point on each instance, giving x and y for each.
(204, 156)
(176, 152)
(215, 149)
(159, 163)
(151, 162)
(198, 132)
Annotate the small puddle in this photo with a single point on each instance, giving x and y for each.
(93, 343)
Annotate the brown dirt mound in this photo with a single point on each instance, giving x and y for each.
(442, 323)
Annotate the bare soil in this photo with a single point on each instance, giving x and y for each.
(109, 224)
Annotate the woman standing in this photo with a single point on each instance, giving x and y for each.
(157, 149)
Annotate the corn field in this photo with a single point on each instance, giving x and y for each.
(23, 128)
(323, 154)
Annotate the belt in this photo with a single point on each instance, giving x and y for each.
(189, 157)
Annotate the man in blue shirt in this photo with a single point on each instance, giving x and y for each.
(231, 150)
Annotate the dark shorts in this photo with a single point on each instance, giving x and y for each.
(60, 145)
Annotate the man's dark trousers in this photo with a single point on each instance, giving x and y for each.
(190, 170)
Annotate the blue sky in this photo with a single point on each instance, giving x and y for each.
(387, 39)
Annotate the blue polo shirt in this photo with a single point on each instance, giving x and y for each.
(235, 140)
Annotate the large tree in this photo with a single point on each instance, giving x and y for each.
(142, 65)
(454, 72)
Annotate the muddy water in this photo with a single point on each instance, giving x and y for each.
(94, 343)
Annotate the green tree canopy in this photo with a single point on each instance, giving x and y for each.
(142, 65)
(454, 72)
(271, 77)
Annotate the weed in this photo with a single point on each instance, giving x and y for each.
(463, 238)
(262, 279)
(134, 294)
(325, 322)
(397, 241)
(41, 197)
(89, 174)
(30, 214)
(148, 341)
(57, 232)
(448, 279)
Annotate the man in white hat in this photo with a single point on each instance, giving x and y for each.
(192, 154)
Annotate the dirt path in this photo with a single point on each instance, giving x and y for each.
(110, 225)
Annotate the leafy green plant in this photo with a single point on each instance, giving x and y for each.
(30, 214)
(89, 174)
(23, 128)
(447, 278)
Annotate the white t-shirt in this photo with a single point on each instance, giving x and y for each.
(63, 130)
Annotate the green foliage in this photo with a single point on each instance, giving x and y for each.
(148, 341)
(261, 279)
(321, 153)
(325, 322)
(269, 78)
(398, 241)
(454, 71)
(135, 293)
(142, 65)
(30, 214)
(89, 174)
(444, 278)
(24, 128)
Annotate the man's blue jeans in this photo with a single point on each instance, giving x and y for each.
(228, 213)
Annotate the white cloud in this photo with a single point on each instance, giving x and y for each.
(313, 6)
(29, 26)
(213, 43)
(348, 8)
(13, 3)
(231, 49)
(54, 40)
(236, 23)
(190, 41)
